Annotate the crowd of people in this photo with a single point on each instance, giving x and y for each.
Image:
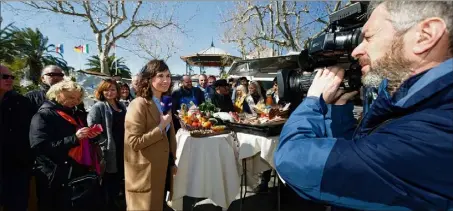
(48, 135)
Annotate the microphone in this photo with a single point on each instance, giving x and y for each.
(166, 104)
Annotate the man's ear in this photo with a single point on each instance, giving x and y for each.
(428, 34)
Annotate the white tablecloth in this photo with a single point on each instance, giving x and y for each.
(250, 145)
(207, 168)
(258, 154)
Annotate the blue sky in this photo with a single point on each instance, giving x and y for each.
(70, 31)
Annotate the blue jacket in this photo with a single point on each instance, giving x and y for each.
(399, 158)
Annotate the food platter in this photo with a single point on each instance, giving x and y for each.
(268, 122)
(199, 121)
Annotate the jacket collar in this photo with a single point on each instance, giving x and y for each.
(155, 113)
(412, 95)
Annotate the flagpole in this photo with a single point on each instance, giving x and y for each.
(80, 61)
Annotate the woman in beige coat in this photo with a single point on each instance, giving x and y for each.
(150, 143)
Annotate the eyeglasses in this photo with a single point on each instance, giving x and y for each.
(6, 77)
(54, 74)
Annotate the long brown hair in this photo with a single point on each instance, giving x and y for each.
(104, 86)
(148, 72)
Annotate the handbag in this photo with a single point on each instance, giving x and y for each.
(84, 191)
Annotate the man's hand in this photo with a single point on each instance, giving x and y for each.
(327, 82)
(319, 83)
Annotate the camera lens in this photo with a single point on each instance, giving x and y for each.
(346, 41)
(301, 83)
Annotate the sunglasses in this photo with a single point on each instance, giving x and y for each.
(54, 74)
(6, 77)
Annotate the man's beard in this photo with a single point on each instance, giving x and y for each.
(393, 66)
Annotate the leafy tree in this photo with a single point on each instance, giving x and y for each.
(113, 65)
(7, 50)
(34, 48)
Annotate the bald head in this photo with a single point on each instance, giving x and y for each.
(51, 75)
(6, 79)
(186, 82)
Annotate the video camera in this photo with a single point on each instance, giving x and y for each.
(333, 47)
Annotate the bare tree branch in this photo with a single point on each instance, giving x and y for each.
(277, 25)
(105, 17)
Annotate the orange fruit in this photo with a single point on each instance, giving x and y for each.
(207, 125)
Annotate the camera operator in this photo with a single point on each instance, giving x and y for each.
(401, 154)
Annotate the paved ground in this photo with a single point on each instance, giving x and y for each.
(260, 202)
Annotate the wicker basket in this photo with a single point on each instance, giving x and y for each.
(188, 127)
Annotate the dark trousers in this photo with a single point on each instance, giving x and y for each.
(112, 185)
(15, 191)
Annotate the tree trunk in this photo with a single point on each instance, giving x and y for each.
(104, 63)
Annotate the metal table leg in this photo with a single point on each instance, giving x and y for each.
(243, 183)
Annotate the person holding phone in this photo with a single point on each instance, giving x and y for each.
(150, 141)
(55, 130)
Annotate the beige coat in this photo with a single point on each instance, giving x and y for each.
(145, 156)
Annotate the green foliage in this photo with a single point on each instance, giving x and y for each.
(34, 48)
(7, 50)
(224, 75)
(17, 67)
(207, 107)
(94, 64)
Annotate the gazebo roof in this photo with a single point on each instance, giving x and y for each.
(212, 51)
(210, 57)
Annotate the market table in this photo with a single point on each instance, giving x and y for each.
(207, 168)
(256, 154)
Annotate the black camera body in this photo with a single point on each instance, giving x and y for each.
(333, 47)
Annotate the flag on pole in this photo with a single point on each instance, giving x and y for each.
(82, 49)
(85, 49)
(59, 48)
(78, 49)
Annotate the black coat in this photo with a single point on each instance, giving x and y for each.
(52, 137)
(15, 155)
(223, 102)
(14, 126)
(37, 97)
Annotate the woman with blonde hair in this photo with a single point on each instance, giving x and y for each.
(240, 104)
(150, 141)
(57, 131)
(254, 96)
